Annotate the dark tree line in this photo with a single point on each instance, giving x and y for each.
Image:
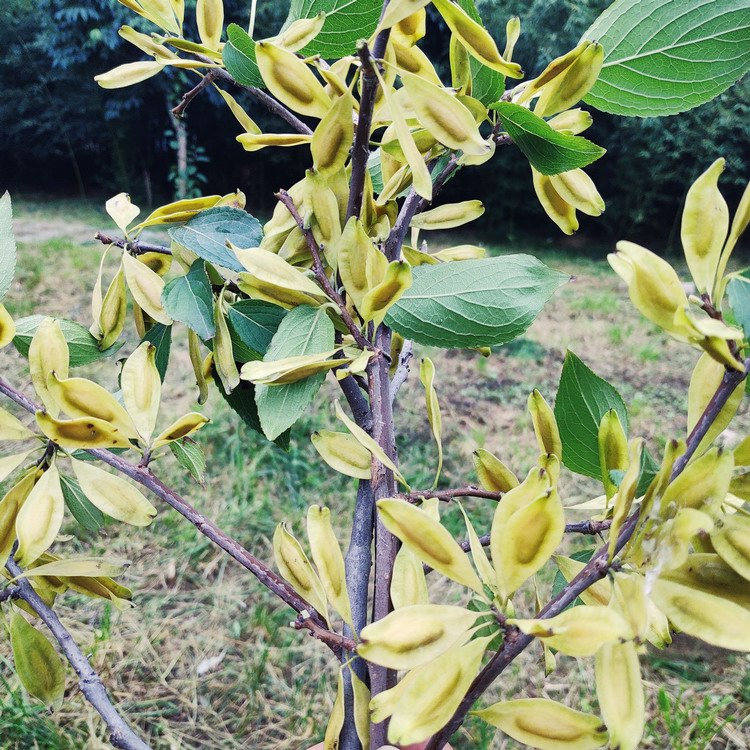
(61, 134)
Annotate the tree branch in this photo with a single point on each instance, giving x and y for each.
(145, 477)
(320, 273)
(447, 495)
(134, 247)
(188, 97)
(516, 642)
(402, 371)
(120, 734)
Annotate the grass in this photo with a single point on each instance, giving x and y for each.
(207, 659)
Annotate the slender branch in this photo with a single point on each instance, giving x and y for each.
(10, 593)
(447, 495)
(120, 734)
(188, 97)
(337, 643)
(320, 273)
(272, 104)
(134, 247)
(402, 371)
(516, 642)
(145, 477)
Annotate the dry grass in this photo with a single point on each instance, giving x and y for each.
(206, 660)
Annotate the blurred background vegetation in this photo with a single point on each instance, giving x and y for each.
(63, 136)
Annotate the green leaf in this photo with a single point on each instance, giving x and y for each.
(583, 398)
(7, 245)
(649, 469)
(239, 57)
(475, 302)
(549, 151)
(487, 85)
(304, 330)
(252, 324)
(375, 168)
(738, 293)
(84, 348)
(663, 57)
(207, 235)
(191, 457)
(242, 401)
(346, 22)
(161, 337)
(81, 508)
(189, 299)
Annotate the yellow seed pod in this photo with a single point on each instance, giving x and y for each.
(291, 81)
(620, 693)
(574, 83)
(705, 224)
(257, 141)
(145, 43)
(9, 507)
(336, 719)
(415, 635)
(300, 32)
(431, 694)
(461, 78)
(527, 540)
(399, 10)
(209, 15)
(40, 517)
(179, 211)
(352, 254)
(12, 428)
(146, 288)
(493, 474)
(332, 139)
(382, 297)
(408, 581)
(573, 121)
(731, 539)
(224, 361)
(291, 369)
(481, 561)
(444, 116)
(714, 619)
(449, 216)
(183, 427)
(740, 222)
(7, 327)
(48, 352)
(579, 631)
(653, 284)
(197, 364)
(361, 695)
(411, 29)
(706, 378)
(512, 34)
(429, 540)
(141, 389)
(113, 313)
(364, 439)
(247, 122)
(38, 666)
(554, 205)
(83, 432)
(623, 501)
(613, 449)
(296, 569)
(8, 464)
(460, 252)
(545, 724)
(427, 377)
(113, 495)
(326, 225)
(703, 484)
(630, 600)
(578, 189)
(128, 74)
(343, 453)
(410, 59)
(598, 594)
(79, 397)
(475, 38)
(122, 211)
(328, 560)
(545, 425)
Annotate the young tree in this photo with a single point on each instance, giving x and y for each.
(338, 282)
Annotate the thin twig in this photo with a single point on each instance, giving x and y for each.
(320, 273)
(120, 734)
(134, 247)
(402, 370)
(337, 643)
(516, 642)
(416, 496)
(188, 97)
